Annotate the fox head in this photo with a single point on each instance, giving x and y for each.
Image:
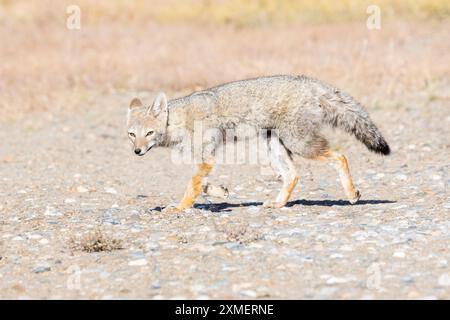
(147, 126)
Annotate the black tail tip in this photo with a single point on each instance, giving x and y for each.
(382, 148)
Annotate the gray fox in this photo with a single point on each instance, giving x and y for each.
(296, 108)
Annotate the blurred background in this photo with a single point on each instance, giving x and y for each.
(180, 46)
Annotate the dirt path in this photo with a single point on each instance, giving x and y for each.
(63, 178)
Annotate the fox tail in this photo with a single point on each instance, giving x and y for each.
(344, 112)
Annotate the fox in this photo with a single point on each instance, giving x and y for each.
(295, 108)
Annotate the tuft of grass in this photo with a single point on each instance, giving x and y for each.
(96, 241)
(239, 232)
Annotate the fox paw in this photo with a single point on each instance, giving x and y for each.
(355, 198)
(273, 204)
(172, 209)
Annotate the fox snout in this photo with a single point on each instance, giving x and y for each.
(140, 151)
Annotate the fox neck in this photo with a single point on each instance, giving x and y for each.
(176, 122)
(182, 114)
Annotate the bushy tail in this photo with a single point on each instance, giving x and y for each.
(342, 111)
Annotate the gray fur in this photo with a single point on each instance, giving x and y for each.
(296, 106)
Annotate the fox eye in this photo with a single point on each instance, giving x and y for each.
(132, 134)
(149, 133)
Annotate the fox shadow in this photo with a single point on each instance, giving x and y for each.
(227, 206)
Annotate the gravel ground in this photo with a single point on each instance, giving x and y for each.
(70, 184)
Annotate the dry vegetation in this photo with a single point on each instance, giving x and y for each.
(185, 45)
(239, 232)
(96, 241)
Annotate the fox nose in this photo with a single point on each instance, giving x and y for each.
(137, 151)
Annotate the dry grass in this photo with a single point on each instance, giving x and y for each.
(239, 232)
(282, 12)
(234, 12)
(96, 241)
(121, 47)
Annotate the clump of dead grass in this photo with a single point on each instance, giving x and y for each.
(239, 232)
(96, 241)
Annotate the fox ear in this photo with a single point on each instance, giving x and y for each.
(135, 103)
(160, 104)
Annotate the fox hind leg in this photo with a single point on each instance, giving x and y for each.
(341, 164)
(281, 162)
(315, 146)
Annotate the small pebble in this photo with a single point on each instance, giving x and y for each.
(41, 269)
(248, 293)
(444, 280)
(82, 189)
(43, 241)
(137, 263)
(336, 280)
(253, 209)
(156, 285)
(110, 190)
(399, 254)
(50, 211)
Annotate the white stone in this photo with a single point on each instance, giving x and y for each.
(50, 211)
(137, 263)
(399, 254)
(336, 280)
(253, 209)
(346, 248)
(82, 189)
(110, 190)
(402, 206)
(444, 280)
(248, 293)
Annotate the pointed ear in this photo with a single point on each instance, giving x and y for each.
(159, 105)
(135, 103)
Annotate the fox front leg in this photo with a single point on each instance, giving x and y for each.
(193, 190)
(195, 186)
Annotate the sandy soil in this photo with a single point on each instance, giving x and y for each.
(70, 180)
